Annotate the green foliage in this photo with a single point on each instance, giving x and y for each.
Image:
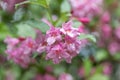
(88, 66)
(101, 55)
(25, 30)
(40, 2)
(39, 25)
(65, 6)
(87, 36)
(99, 77)
(4, 31)
(18, 15)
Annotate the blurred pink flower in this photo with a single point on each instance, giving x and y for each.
(38, 77)
(49, 77)
(107, 68)
(81, 72)
(86, 8)
(9, 5)
(106, 31)
(21, 51)
(44, 77)
(49, 69)
(65, 76)
(105, 17)
(117, 32)
(113, 47)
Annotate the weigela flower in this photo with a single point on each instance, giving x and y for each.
(65, 76)
(57, 52)
(86, 8)
(53, 35)
(20, 50)
(41, 42)
(62, 43)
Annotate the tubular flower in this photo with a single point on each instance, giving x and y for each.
(20, 50)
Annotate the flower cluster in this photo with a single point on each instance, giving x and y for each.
(109, 37)
(58, 43)
(61, 43)
(20, 50)
(86, 9)
(63, 76)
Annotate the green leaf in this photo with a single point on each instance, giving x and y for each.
(99, 77)
(87, 66)
(77, 24)
(24, 30)
(38, 24)
(18, 14)
(116, 56)
(65, 7)
(87, 36)
(43, 3)
(101, 55)
(4, 31)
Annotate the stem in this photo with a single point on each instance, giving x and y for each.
(50, 15)
(25, 2)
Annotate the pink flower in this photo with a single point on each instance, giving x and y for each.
(107, 68)
(106, 31)
(22, 50)
(105, 17)
(57, 53)
(44, 77)
(113, 47)
(49, 77)
(41, 42)
(81, 72)
(62, 43)
(65, 76)
(53, 35)
(86, 8)
(38, 77)
(9, 5)
(117, 32)
(68, 30)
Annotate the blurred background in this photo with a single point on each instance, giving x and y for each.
(96, 61)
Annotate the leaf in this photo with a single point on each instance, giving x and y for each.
(87, 66)
(24, 30)
(87, 36)
(43, 3)
(99, 77)
(4, 31)
(38, 24)
(65, 6)
(76, 23)
(101, 55)
(116, 56)
(18, 14)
